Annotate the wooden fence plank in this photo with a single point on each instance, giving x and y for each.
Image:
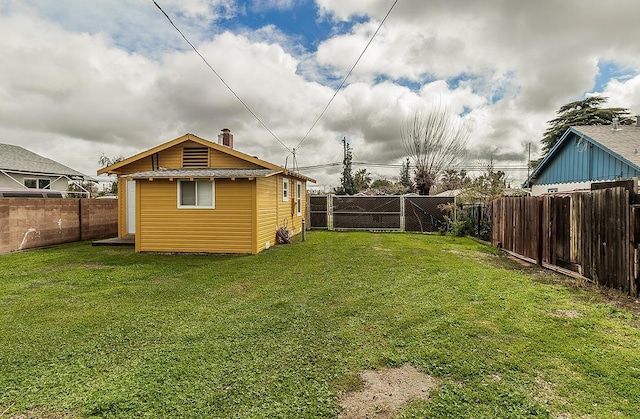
(591, 233)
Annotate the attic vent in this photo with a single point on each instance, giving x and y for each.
(195, 157)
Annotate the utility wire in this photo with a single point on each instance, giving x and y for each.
(392, 165)
(220, 77)
(347, 76)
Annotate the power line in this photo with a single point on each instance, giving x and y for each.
(393, 166)
(220, 77)
(347, 76)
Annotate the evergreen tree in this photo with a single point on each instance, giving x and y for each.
(581, 112)
(405, 176)
(347, 183)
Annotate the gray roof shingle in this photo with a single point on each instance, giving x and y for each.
(203, 173)
(624, 141)
(15, 158)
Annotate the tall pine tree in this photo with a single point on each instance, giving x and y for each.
(405, 176)
(348, 186)
(581, 112)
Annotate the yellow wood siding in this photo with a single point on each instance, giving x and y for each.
(163, 227)
(267, 214)
(122, 207)
(171, 158)
(142, 165)
(287, 209)
(221, 160)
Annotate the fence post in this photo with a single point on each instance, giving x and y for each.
(479, 206)
(540, 231)
(304, 230)
(329, 211)
(402, 213)
(80, 218)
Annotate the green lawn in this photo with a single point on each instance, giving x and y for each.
(97, 331)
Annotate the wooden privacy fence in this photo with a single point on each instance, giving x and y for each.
(592, 234)
(36, 222)
(386, 212)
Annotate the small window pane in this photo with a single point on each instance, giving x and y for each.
(31, 183)
(205, 193)
(44, 183)
(188, 193)
(285, 189)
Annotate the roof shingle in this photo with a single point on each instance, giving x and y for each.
(15, 158)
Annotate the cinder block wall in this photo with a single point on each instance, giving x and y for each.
(27, 223)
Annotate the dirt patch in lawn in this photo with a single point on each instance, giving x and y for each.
(568, 314)
(385, 392)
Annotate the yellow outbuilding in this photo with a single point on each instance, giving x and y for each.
(193, 195)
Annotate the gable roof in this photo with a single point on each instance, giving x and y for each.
(623, 144)
(17, 159)
(190, 137)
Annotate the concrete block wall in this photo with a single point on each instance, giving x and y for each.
(27, 223)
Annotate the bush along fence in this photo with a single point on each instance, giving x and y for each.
(36, 222)
(379, 213)
(593, 235)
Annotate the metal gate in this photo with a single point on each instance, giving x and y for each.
(423, 213)
(367, 212)
(318, 212)
(387, 212)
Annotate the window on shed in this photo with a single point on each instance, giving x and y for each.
(299, 198)
(195, 157)
(196, 194)
(30, 183)
(37, 183)
(285, 189)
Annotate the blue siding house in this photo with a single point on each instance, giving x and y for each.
(587, 154)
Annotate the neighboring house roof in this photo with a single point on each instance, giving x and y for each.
(113, 169)
(451, 193)
(590, 153)
(203, 173)
(17, 159)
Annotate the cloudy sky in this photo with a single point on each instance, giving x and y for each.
(79, 78)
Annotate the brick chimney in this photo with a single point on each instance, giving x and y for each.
(226, 138)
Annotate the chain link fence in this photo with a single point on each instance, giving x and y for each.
(387, 213)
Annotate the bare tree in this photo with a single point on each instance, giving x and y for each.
(434, 139)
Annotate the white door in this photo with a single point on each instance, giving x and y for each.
(131, 207)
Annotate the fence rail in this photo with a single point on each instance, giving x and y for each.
(593, 234)
(388, 212)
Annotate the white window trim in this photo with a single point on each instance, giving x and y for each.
(213, 194)
(299, 198)
(285, 189)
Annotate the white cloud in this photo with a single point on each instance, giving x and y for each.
(625, 94)
(115, 77)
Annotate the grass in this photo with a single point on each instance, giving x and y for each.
(104, 332)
